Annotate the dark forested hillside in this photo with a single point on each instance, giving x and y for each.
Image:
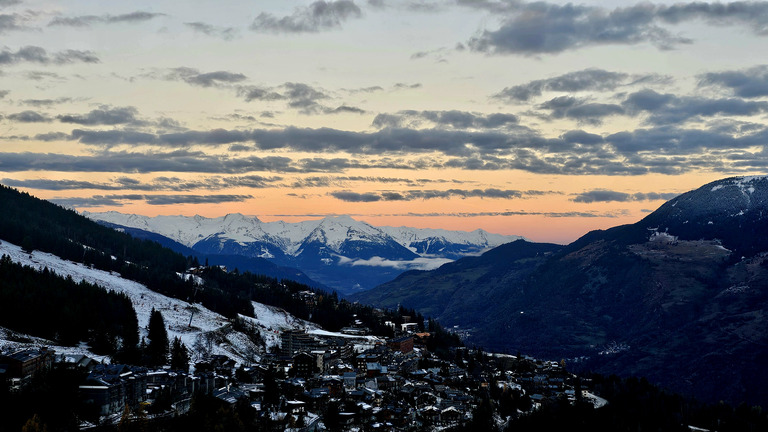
(37, 224)
(50, 306)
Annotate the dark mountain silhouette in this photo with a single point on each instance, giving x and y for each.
(680, 297)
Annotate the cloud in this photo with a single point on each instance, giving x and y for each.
(157, 184)
(326, 181)
(132, 162)
(119, 200)
(6, 3)
(588, 79)
(89, 20)
(546, 28)
(345, 109)
(209, 79)
(454, 119)
(415, 264)
(36, 54)
(194, 199)
(589, 214)
(226, 33)
(46, 102)
(95, 201)
(419, 194)
(105, 115)
(28, 117)
(300, 96)
(316, 17)
(4, 93)
(350, 196)
(669, 109)
(13, 22)
(747, 83)
(605, 195)
(580, 110)
(404, 86)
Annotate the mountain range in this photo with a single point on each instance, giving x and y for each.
(680, 297)
(338, 252)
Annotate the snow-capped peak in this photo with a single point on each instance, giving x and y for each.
(331, 231)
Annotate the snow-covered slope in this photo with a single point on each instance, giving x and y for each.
(202, 331)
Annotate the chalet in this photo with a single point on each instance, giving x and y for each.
(306, 364)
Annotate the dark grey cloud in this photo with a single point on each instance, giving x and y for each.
(208, 79)
(547, 28)
(605, 195)
(588, 79)
(747, 83)
(89, 20)
(580, 110)
(252, 93)
(46, 102)
(105, 115)
(4, 93)
(13, 22)
(226, 33)
(6, 3)
(302, 97)
(95, 201)
(582, 137)
(318, 16)
(341, 181)
(119, 200)
(132, 162)
(43, 76)
(36, 54)
(194, 199)
(156, 184)
(404, 86)
(670, 109)
(420, 194)
(578, 81)
(350, 196)
(454, 119)
(345, 109)
(371, 89)
(28, 117)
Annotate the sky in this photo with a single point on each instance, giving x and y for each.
(542, 119)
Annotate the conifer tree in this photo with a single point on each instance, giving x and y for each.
(158, 339)
(179, 355)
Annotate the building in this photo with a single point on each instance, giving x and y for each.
(402, 344)
(26, 363)
(293, 342)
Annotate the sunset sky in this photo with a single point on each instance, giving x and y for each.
(540, 119)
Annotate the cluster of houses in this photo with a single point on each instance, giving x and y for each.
(316, 382)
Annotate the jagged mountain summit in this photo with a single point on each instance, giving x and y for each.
(680, 297)
(338, 251)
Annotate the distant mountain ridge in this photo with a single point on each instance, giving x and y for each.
(680, 297)
(337, 251)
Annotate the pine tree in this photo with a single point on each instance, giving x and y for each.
(179, 355)
(158, 339)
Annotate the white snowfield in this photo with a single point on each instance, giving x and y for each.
(202, 331)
